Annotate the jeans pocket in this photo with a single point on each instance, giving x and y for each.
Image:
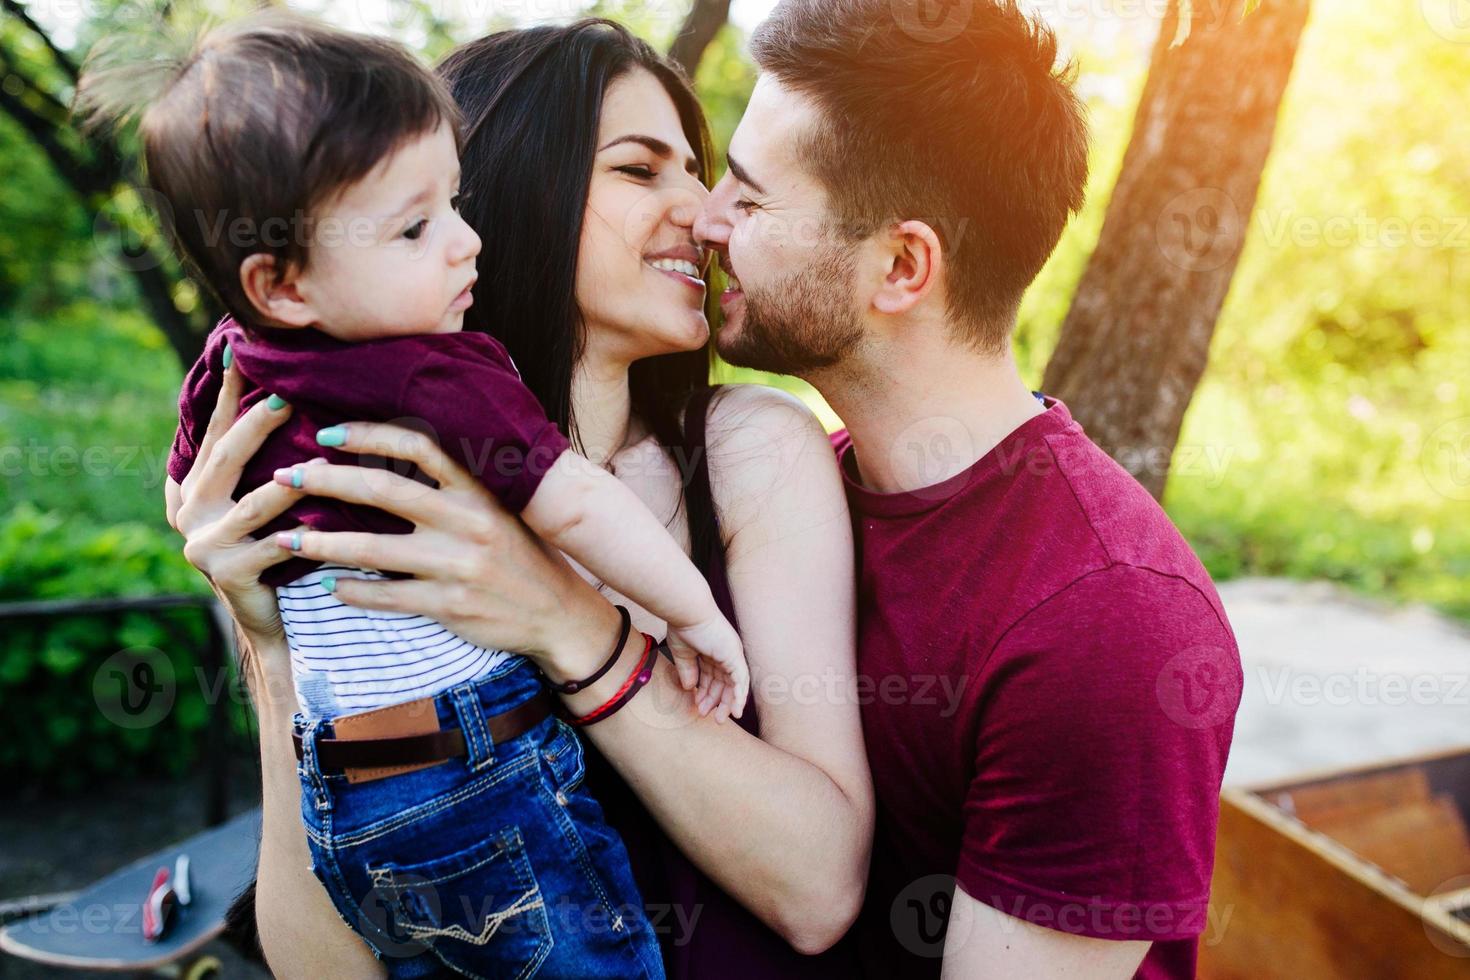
(479, 910)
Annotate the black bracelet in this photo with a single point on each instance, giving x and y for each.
(572, 687)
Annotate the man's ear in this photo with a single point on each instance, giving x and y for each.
(275, 296)
(915, 260)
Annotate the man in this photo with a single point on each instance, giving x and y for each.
(1050, 682)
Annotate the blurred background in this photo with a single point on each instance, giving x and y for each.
(1315, 159)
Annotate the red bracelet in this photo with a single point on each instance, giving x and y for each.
(641, 676)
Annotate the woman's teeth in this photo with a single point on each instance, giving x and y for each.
(676, 265)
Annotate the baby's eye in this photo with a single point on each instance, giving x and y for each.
(416, 230)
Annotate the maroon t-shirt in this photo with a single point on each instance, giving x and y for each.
(1048, 686)
(460, 388)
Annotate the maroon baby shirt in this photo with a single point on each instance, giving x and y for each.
(462, 389)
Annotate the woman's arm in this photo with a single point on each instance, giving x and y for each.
(785, 824)
(300, 931)
(599, 522)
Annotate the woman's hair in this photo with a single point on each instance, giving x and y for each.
(532, 104)
(248, 128)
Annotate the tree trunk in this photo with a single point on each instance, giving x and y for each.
(1137, 336)
(95, 172)
(705, 19)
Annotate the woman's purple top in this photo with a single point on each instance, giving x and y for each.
(705, 934)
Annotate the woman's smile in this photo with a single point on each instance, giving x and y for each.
(679, 264)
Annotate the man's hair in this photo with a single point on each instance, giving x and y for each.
(969, 126)
(261, 121)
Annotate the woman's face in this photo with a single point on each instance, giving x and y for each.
(640, 279)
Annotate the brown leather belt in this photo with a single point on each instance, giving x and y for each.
(405, 737)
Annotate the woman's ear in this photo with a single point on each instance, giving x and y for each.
(275, 296)
(915, 259)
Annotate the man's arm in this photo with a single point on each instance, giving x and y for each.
(983, 942)
(1090, 819)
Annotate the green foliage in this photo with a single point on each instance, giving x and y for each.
(85, 420)
(53, 679)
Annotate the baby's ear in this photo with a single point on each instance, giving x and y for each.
(277, 298)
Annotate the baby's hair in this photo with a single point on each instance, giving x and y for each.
(249, 126)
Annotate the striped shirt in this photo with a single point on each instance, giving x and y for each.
(345, 660)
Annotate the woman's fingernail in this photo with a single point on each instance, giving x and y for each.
(335, 435)
(229, 356)
(290, 540)
(290, 476)
(275, 403)
(329, 582)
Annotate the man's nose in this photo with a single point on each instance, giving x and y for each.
(712, 226)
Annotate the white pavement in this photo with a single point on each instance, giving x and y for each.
(1334, 680)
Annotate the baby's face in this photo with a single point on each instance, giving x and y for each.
(391, 256)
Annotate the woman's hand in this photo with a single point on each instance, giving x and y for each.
(477, 569)
(217, 529)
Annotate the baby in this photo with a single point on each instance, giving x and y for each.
(312, 176)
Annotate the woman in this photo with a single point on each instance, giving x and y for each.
(586, 161)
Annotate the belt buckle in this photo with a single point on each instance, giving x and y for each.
(417, 717)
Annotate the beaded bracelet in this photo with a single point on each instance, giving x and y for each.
(630, 687)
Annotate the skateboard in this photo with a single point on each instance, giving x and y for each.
(102, 927)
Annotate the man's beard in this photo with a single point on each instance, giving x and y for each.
(803, 322)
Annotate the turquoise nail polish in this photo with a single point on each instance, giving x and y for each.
(329, 582)
(334, 436)
(298, 480)
(295, 540)
(275, 403)
(229, 356)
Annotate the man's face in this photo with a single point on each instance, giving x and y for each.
(791, 306)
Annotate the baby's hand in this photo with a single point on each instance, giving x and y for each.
(711, 651)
